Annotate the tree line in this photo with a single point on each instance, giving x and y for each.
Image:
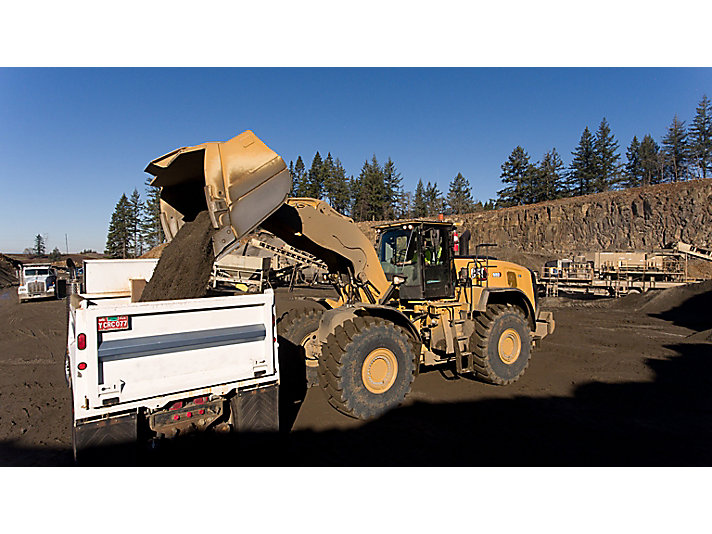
(135, 225)
(378, 193)
(685, 153)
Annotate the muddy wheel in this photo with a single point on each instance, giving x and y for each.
(298, 332)
(367, 367)
(501, 344)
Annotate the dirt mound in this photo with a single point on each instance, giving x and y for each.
(7, 272)
(699, 268)
(155, 252)
(183, 272)
(678, 296)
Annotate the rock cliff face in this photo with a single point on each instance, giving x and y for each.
(645, 218)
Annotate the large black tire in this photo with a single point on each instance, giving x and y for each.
(367, 367)
(501, 344)
(297, 328)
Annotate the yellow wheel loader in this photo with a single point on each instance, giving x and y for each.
(407, 304)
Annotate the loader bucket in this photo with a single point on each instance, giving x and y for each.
(240, 182)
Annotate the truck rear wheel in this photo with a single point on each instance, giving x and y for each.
(367, 367)
(501, 344)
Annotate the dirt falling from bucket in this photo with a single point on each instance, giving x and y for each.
(183, 272)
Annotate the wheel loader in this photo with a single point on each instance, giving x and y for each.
(404, 306)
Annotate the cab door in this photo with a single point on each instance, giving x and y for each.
(437, 272)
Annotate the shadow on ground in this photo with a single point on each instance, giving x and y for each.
(664, 422)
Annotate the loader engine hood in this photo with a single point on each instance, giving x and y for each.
(240, 182)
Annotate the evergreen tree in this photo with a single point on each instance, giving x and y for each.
(405, 204)
(371, 196)
(606, 155)
(136, 223)
(459, 196)
(299, 182)
(392, 181)
(701, 138)
(336, 186)
(516, 175)
(434, 199)
(39, 248)
(649, 155)
(55, 255)
(152, 229)
(315, 179)
(118, 239)
(583, 169)
(676, 152)
(420, 206)
(549, 183)
(633, 167)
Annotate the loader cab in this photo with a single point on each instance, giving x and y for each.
(421, 252)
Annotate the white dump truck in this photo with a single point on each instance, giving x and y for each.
(37, 280)
(141, 371)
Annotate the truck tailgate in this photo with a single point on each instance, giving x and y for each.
(139, 350)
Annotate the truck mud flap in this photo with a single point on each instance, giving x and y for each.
(256, 410)
(111, 441)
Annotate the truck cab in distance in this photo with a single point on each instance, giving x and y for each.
(37, 280)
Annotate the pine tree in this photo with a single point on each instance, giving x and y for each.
(392, 180)
(337, 187)
(136, 223)
(676, 152)
(371, 197)
(459, 196)
(420, 206)
(701, 138)
(583, 169)
(405, 204)
(633, 167)
(649, 155)
(152, 229)
(315, 179)
(434, 199)
(606, 155)
(299, 185)
(516, 174)
(118, 239)
(549, 184)
(39, 248)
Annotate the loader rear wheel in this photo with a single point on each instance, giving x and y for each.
(367, 367)
(501, 344)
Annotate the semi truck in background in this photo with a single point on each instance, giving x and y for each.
(37, 280)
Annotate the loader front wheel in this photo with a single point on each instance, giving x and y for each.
(367, 367)
(501, 344)
(297, 330)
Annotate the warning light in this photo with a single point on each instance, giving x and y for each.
(82, 366)
(81, 341)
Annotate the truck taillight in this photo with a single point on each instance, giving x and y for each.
(82, 341)
(82, 366)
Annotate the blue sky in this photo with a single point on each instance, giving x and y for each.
(73, 140)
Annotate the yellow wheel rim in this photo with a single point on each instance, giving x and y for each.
(379, 370)
(311, 349)
(509, 346)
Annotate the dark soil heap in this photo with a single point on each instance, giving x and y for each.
(7, 273)
(183, 272)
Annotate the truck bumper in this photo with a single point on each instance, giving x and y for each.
(545, 325)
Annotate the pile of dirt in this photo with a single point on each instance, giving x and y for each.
(676, 297)
(155, 252)
(7, 272)
(699, 268)
(183, 272)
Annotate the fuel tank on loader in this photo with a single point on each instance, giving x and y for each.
(240, 182)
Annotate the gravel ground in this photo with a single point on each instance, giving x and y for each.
(616, 384)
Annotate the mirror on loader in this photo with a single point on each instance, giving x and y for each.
(420, 252)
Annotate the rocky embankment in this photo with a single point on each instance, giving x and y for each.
(645, 218)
